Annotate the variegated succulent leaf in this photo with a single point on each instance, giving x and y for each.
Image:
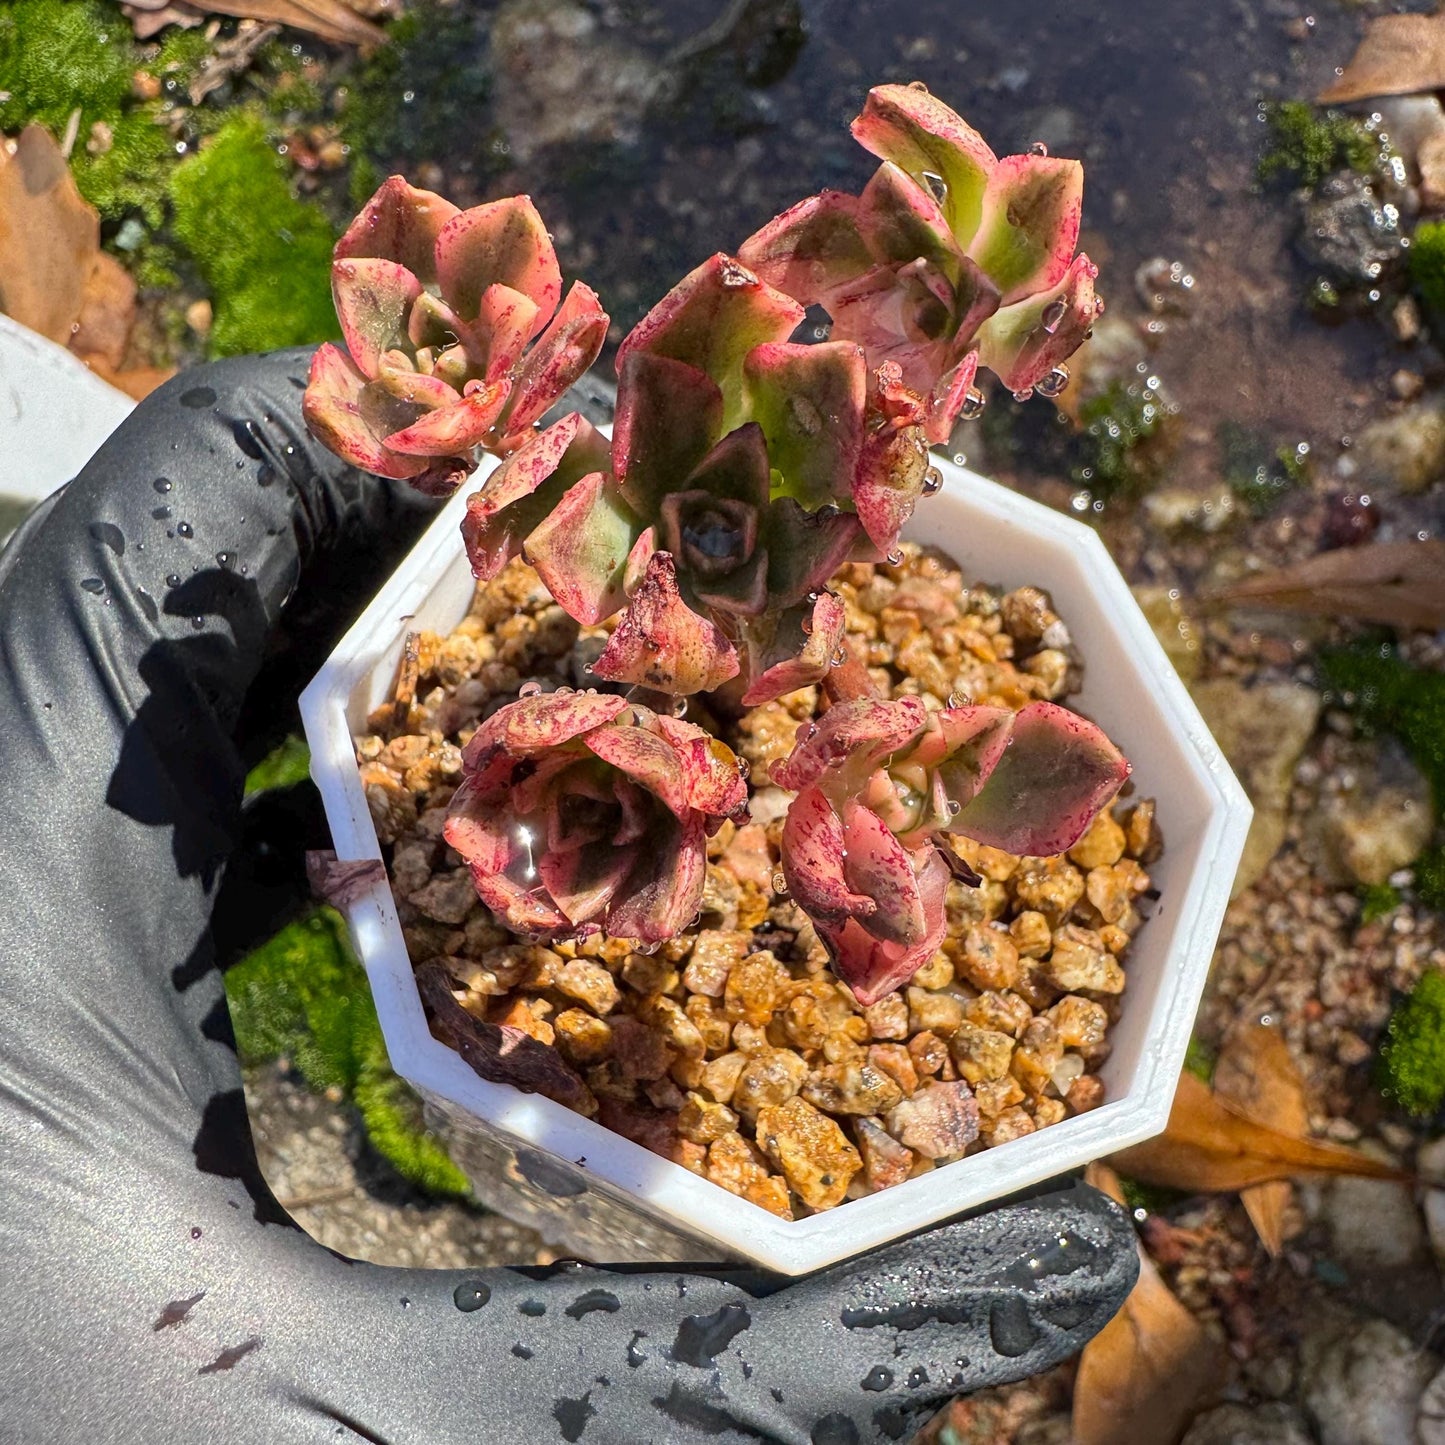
(879, 786)
(452, 344)
(580, 812)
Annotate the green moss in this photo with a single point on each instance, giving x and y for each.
(1199, 1060)
(1258, 475)
(1388, 694)
(284, 766)
(264, 255)
(1306, 144)
(304, 996)
(1430, 878)
(422, 96)
(1427, 264)
(1412, 1058)
(60, 57)
(1116, 429)
(1377, 900)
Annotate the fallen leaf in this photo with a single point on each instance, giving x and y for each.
(339, 882)
(339, 21)
(1399, 55)
(1210, 1147)
(1146, 1373)
(1257, 1076)
(101, 331)
(49, 237)
(500, 1053)
(1400, 584)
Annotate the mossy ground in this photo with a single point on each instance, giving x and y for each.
(1307, 144)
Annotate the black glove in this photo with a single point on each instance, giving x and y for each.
(152, 1288)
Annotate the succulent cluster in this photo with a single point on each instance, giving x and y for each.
(743, 471)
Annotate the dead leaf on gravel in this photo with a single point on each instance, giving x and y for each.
(1399, 55)
(1400, 584)
(1147, 1372)
(1257, 1075)
(1209, 1147)
(49, 237)
(341, 22)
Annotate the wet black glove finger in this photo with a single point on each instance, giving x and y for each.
(154, 1289)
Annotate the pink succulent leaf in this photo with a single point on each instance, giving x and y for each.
(792, 649)
(399, 223)
(563, 352)
(661, 643)
(813, 849)
(896, 315)
(1024, 342)
(574, 817)
(863, 732)
(433, 324)
(333, 408)
(669, 414)
(1056, 773)
(809, 401)
(873, 967)
(973, 737)
(710, 770)
(923, 137)
(947, 398)
(877, 867)
(902, 221)
(583, 881)
(806, 548)
(891, 475)
(637, 560)
(580, 548)
(810, 249)
(711, 319)
(452, 430)
(647, 757)
(534, 725)
(372, 300)
(503, 327)
(663, 893)
(1030, 226)
(503, 242)
(415, 388)
(515, 497)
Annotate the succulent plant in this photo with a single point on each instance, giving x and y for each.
(879, 786)
(579, 811)
(455, 341)
(739, 479)
(951, 257)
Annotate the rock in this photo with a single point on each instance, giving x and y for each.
(1177, 635)
(559, 81)
(1378, 826)
(1172, 509)
(1350, 234)
(1411, 122)
(1262, 731)
(1272, 1424)
(1361, 1381)
(1373, 1225)
(1430, 1417)
(1404, 452)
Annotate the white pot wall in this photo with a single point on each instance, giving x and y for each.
(603, 1197)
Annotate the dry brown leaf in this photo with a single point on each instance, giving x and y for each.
(339, 21)
(101, 331)
(1209, 1147)
(1146, 1373)
(49, 237)
(1400, 584)
(1399, 55)
(1257, 1075)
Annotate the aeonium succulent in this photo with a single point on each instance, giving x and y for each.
(950, 258)
(579, 811)
(879, 787)
(455, 341)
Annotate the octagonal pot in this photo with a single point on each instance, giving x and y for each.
(600, 1196)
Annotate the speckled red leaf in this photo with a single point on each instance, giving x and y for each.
(332, 407)
(647, 758)
(877, 867)
(902, 220)
(663, 893)
(533, 724)
(668, 415)
(453, 430)
(1022, 343)
(792, 648)
(399, 223)
(809, 249)
(710, 769)
(1032, 207)
(562, 353)
(1056, 773)
(580, 548)
(812, 852)
(806, 548)
(860, 731)
(505, 318)
(372, 299)
(501, 242)
(662, 643)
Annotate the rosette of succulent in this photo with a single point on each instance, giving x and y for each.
(744, 470)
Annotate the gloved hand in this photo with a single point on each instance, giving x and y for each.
(153, 1289)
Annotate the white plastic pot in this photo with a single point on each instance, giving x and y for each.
(602, 1197)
